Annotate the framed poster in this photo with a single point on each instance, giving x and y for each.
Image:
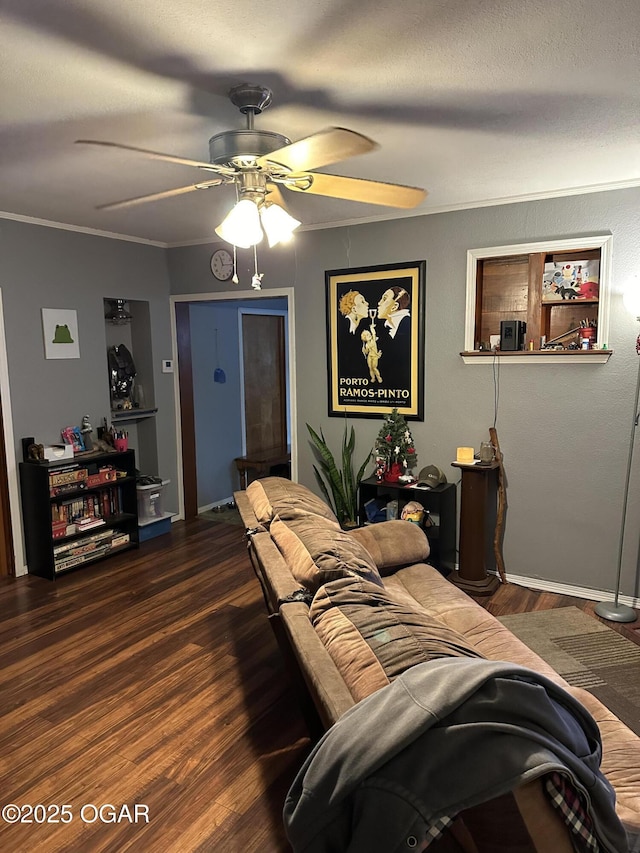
(60, 330)
(375, 340)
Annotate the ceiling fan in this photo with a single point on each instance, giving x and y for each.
(259, 162)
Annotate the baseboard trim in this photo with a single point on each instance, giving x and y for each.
(569, 589)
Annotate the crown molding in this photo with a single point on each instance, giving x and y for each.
(345, 223)
(80, 229)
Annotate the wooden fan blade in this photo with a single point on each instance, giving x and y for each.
(155, 155)
(359, 189)
(320, 149)
(142, 199)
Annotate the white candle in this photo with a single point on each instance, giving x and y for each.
(464, 454)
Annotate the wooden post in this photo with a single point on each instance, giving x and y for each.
(502, 506)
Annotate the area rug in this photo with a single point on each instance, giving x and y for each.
(223, 516)
(587, 654)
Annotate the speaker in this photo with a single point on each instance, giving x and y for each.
(512, 335)
(25, 446)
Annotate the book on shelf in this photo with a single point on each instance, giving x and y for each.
(98, 537)
(88, 522)
(120, 539)
(68, 562)
(88, 551)
(63, 476)
(63, 467)
(102, 504)
(65, 488)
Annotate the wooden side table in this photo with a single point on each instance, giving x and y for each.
(477, 504)
(261, 462)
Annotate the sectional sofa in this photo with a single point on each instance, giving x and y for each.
(355, 610)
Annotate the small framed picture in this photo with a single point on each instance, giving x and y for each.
(375, 345)
(60, 330)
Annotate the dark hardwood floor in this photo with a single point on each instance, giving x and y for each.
(153, 678)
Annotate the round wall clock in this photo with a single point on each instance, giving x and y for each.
(222, 264)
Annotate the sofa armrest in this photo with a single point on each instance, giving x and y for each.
(326, 686)
(278, 584)
(393, 544)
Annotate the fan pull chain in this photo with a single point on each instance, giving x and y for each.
(235, 264)
(234, 278)
(256, 281)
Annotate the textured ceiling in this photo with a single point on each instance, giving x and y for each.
(475, 100)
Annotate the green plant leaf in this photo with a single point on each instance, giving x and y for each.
(323, 488)
(342, 483)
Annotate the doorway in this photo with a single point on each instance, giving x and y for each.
(7, 563)
(12, 560)
(264, 381)
(189, 384)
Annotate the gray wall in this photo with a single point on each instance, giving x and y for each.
(564, 429)
(46, 267)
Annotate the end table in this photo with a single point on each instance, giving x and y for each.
(477, 505)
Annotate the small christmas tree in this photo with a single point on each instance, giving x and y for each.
(395, 442)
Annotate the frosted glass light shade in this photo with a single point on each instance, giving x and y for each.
(278, 224)
(242, 225)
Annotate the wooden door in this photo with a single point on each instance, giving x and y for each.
(265, 406)
(7, 562)
(187, 412)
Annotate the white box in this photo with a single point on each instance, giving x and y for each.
(53, 452)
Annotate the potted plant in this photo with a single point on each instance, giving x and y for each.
(394, 448)
(341, 487)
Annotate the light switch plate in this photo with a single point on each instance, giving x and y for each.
(167, 365)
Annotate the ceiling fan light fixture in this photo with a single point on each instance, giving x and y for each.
(278, 224)
(241, 226)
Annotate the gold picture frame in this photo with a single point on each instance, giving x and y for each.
(375, 340)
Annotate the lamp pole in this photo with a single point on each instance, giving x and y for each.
(613, 611)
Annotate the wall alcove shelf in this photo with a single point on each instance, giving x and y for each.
(140, 420)
(124, 415)
(558, 291)
(549, 356)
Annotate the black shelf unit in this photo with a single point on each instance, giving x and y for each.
(37, 504)
(441, 501)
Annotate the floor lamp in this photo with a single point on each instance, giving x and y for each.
(612, 610)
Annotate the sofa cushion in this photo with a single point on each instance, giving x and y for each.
(393, 544)
(374, 637)
(273, 496)
(317, 551)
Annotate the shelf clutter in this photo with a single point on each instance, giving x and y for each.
(381, 501)
(78, 511)
(539, 302)
(88, 549)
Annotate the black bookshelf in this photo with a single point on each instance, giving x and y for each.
(114, 501)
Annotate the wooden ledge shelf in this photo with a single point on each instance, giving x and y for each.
(550, 356)
(132, 414)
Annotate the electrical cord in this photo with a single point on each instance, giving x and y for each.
(496, 386)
